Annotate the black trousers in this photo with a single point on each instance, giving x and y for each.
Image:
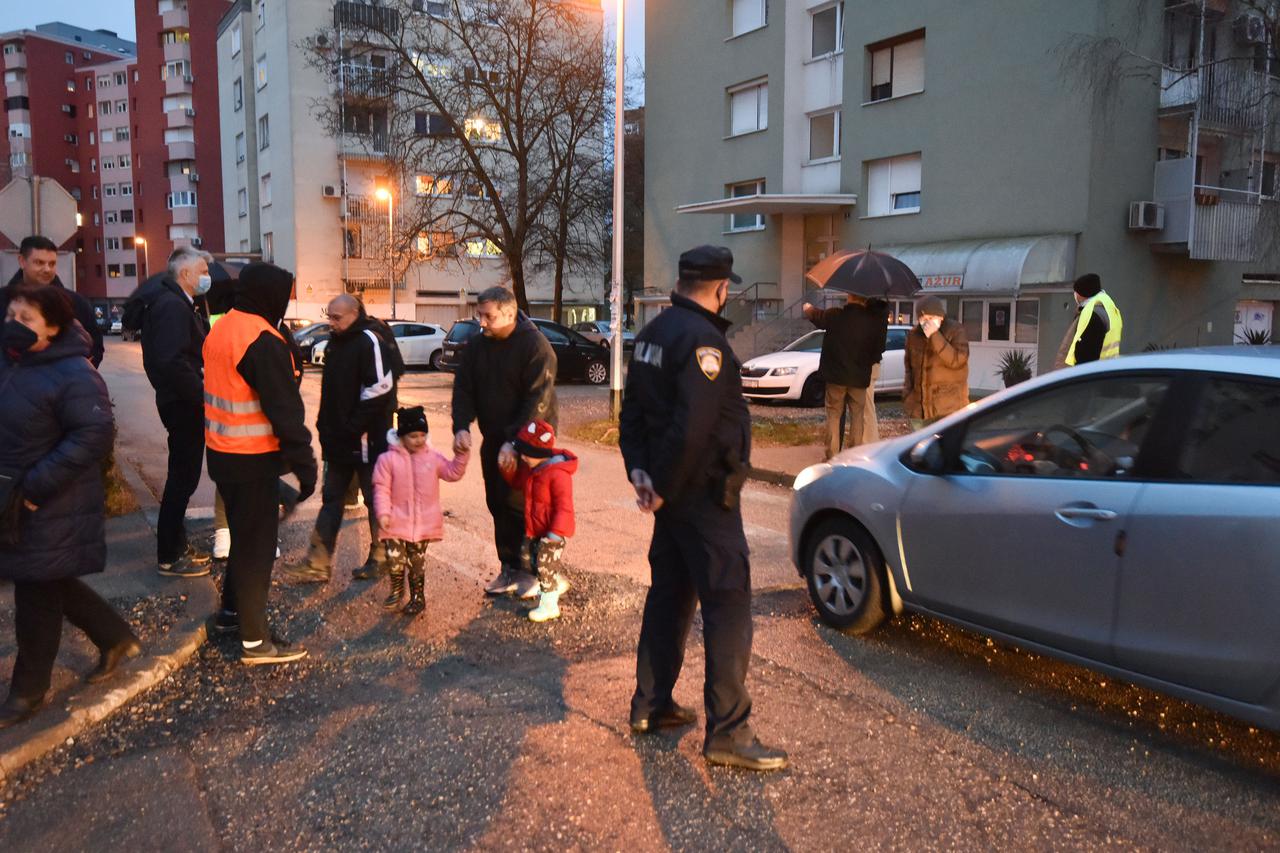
(698, 556)
(506, 505)
(39, 608)
(333, 497)
(185, 424)
(253, 514)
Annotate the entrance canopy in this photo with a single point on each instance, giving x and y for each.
(774, 203)
(1001, 266)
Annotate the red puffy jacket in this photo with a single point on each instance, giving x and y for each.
(548, 494)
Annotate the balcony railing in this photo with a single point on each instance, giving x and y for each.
(1204, 222)
(373, 146)
(1228, 94)
(363, 81)
(363, 16)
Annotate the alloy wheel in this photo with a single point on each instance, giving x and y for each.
(839, 575)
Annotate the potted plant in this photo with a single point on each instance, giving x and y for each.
(1015, 366)
(1255, 337)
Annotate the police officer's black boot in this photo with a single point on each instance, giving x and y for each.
(396, 593)
(374, 564)
(417, 601)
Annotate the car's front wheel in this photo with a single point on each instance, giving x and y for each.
(597, 372)
(813, 391)
(846, 576)
(435, 359)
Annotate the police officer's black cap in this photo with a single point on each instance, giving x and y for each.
(708, 263)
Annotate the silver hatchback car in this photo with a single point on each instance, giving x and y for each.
(1123, 515)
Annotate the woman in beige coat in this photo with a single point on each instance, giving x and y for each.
(936, 382)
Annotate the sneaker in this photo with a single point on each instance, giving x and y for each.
(226, 622)
(183, 567)
(526, 586)
(222, 543)
(548, 607)
(503, 584)
(272, 651)
(673, 716)
(201, 558)
(752, 755)
(306, 572)
(110, 659)
(370, 571)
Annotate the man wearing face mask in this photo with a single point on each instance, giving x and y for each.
(37, 265)
(936, 365)
(685, 435)
(173, 333)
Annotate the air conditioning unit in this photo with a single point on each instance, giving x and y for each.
(69, 137)
(194, 177)
(191, 112)
(322, 39)
(196, 242)
(329, 191)
(1250, 29)
(67, 108)
(1146, 216)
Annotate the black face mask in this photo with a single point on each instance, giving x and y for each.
(17, 338)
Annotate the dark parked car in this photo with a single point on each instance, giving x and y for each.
(597, 331)
(308, 336)
(578, 359)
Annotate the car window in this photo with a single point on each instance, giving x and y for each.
(1092, 429)
(553, 334)
(811, 342)
(462, 332)
(579, 339)
(897, 339)
(584, 327)
(1232, 437)
(400, 330)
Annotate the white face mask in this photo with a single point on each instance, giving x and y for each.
(203, 283)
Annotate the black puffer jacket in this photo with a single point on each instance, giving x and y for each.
(84, 314)
(55, 429)
(357, 393)
(504, 384)
(173, 333)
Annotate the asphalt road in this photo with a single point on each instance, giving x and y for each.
(470, 728)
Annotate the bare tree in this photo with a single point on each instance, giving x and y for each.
(472, 105)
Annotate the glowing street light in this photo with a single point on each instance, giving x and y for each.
(384, 194)
(140, 241)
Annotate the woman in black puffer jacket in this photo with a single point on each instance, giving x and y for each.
(55, 429)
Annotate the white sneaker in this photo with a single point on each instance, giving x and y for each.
(222, 543)
(549, 603)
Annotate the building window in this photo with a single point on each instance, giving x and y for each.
(264, 133)
(748, 15)
(108, 136)
(70, 58)
(121, 79)
(746, 221)
(237, 95)
(108, 163)
(109, 190)
(828, 31)
(126, 189)
(824, 135)
(235, 40)
(240, 150)
(897, 67)
(434, 8)
(269, 247)
(260, 71)
(262, 14)
(430, 124)
(175, 70)
(130, 270)
(124, 161)
(88, 83)
(433, 185)
(127, 243)
(94, 190)
(111, 217)
(893, 185)
(122, 107)
(352, 242)
(93, 137)
(127, 215)
(93, 164)
(482, 248)
(122, 134)
(181, 198)
(71, 85)
(264, 190)
(104, 107)
(90, 111)
(113, 244)
(242, 201)
(748, 108)
(97, 244)
(482, 129)
(113, 270)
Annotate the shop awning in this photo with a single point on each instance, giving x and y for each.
(1005, 266)
(772, 203)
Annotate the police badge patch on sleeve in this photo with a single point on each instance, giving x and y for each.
(709, 360)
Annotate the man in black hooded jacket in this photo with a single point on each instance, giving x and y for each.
(255, 430)
(38, 264)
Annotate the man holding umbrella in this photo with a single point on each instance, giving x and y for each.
(855, 339)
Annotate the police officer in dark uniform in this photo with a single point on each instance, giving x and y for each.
(686, 440)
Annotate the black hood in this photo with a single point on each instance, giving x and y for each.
(71, 342)
(265, 290)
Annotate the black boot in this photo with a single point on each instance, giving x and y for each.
(396, 575)
(371, 570)
(417, 603)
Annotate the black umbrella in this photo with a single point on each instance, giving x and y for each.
(865, 273)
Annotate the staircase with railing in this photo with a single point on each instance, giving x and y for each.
(768, 328)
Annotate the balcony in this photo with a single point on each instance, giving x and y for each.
(365, 146)
(15, 60)
(179, 118)
(363, 82)
(178, 84)
(1205, 223)
(180, 151)
(184, 216)
(175, 19)
(1231, 95)
(360, 16)
(177, 50)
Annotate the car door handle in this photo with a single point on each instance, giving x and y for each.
(1085, 513)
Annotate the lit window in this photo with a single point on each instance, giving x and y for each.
(483, 130)
(432, 185)
(482, 248)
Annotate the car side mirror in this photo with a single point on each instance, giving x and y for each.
(927, 457)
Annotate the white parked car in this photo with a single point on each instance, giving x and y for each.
(420, 344)
(792, 373)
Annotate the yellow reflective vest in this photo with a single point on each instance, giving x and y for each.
(1115, 325)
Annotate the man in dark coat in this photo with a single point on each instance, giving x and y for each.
(851, 353)
(685, 435)
(507, 378)
(173, 331)
(357, 401)
(55, 429)
(38, 264)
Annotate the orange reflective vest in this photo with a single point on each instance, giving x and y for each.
(233, 418)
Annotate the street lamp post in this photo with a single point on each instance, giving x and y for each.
(615, 294)
(385, 194)
(146, 267)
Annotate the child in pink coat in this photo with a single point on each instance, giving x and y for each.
(406, 498)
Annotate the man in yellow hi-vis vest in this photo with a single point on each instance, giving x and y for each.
(1096, 332)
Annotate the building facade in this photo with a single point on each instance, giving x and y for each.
(308, 198)
(789, 130)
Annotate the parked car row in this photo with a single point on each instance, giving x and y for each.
(578, 359)
(792, 372)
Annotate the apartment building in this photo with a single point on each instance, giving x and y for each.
(51, 129)
(308, 199)
(111, 270)
(967, 140)
(177, 140)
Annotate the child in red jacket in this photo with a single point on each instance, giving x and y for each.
(545, 475)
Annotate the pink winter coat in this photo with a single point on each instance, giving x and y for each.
(406, 487)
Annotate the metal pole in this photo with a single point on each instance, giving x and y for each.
(615, 295)
(391, 257)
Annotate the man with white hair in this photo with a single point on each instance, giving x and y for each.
(173, 333)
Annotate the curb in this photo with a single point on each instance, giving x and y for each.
(81, 708)
(777, 478)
